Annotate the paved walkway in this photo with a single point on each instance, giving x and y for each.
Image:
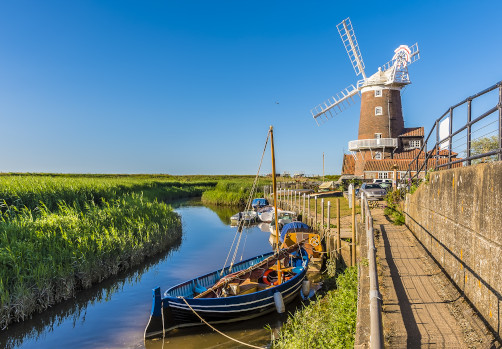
(421, 309)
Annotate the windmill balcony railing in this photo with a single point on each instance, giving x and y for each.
(372, 143)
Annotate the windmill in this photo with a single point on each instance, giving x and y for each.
(381, 120)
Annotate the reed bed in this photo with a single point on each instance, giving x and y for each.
(232, 192)
(46, 259)
(30, 191)
(62, 233)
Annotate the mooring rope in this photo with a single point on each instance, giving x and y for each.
(216, 330)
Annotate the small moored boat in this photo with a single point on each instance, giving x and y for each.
(245, 217)
(259, 203)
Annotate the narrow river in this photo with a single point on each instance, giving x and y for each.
(115, 313)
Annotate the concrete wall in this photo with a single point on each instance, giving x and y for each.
(458, 218)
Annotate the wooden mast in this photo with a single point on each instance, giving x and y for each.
(274, 186)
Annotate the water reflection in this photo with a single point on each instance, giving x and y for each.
(114, 313)
(73, 312)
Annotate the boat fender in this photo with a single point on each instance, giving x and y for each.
(279, 303)
(306, 288)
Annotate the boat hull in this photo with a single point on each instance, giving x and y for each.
(170, 312)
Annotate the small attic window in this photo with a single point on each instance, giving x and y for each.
(378, 93)
(378, 110)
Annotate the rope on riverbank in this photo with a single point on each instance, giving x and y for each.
(214, 329)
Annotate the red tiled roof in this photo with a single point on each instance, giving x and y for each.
(409, 154)
(349, 164)
(413, 132)
(402, 164)
(444, 152)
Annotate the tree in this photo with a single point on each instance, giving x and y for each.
(484, 145)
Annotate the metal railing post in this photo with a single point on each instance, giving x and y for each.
(500, 123)
(450, 142)
(437, 144)
(469, 116)
(338, 237)
(353, 259)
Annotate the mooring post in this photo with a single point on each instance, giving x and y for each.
(308, 210)
(353, 228)
(338, 234)
(315, 212)
(303, 211)
(322, 217)
(328, 221)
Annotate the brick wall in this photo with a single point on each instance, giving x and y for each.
(369, 123)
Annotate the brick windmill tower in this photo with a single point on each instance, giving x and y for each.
(382, 134)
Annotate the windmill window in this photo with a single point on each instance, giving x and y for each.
(378, 155)
(378, 135)
(378, 93)
(378, 110)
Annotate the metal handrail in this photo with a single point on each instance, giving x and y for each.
(376, 327)
(419, 165)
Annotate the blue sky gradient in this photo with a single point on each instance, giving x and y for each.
(191, 87)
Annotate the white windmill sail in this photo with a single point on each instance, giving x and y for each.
(343, 99)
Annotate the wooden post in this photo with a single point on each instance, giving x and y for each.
(303, 211)
(308, 220)
(328, 216)
(353, 228)
(322, 218)
(315, 212)
(328, 221)
(338, 233)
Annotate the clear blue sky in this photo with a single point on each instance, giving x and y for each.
(191, 87)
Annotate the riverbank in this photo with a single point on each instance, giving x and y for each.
(60, 234)
(327, 322)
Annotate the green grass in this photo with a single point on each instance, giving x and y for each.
(328, 322)
(62, 233)
(233, 192)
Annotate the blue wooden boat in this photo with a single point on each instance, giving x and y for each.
(245, 292)
(239, 292)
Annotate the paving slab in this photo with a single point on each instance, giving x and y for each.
(421, 308)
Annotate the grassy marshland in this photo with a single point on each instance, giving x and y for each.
(59, 234)
(233, 192)
(328, 322)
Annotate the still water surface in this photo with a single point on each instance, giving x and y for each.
(115, 313)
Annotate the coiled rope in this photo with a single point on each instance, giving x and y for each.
(216, 330)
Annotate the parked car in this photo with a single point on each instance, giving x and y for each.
(373, 191)
(385, 183)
